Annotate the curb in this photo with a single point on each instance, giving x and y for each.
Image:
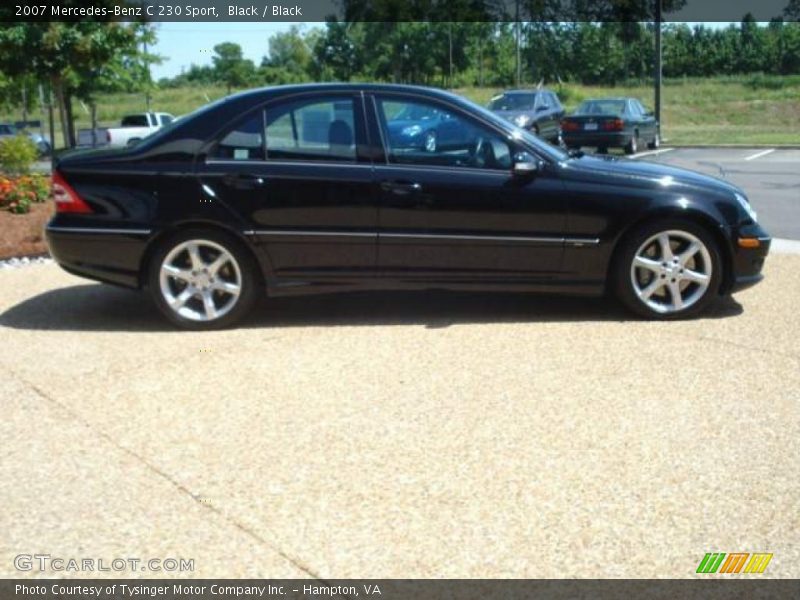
(784, 246)
(733, 146)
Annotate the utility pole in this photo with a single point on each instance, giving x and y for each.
(658, 69)
(450, 51)
(147, 90)
(518, 41)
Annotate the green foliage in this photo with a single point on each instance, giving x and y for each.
(17, 154)
(17, 194)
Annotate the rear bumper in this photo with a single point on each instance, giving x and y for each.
(104, 254)
(596, 139)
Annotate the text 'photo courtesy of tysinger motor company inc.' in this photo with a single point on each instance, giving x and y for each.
(410, 300)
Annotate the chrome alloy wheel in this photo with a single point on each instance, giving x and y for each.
(671, 271)
(200, 280)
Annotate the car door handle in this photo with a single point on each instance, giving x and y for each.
(401, 188)
(244, 180)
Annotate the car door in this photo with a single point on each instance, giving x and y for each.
(458, 214)
(544, 116)
(649, 124)
(296, 172)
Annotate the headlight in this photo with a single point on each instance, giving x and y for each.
(411, 130)
(746, 206)
(522, 120)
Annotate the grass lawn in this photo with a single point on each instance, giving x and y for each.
(695, 111)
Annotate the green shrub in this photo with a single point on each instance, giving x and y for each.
(17, 154)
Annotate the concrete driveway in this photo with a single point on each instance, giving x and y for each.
(411, 435)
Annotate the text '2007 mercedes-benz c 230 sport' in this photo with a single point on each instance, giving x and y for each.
(319, 188)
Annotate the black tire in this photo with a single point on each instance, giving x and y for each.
(632, 147)
(249, 275)
(656, 143)
(622, 277)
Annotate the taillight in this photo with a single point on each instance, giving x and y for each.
(569, 126)
(615, 125)
(67, 200)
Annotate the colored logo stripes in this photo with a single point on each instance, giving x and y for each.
(736, 562)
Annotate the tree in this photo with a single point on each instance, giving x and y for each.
(68, 56)
(230, 66)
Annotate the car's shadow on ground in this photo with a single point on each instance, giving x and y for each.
(95, 307)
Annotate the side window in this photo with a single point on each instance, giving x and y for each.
(554, 101)
(312, 129)
(244, 142)
(421, 133)
(636, 109)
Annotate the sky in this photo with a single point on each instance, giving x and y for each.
(181, 44)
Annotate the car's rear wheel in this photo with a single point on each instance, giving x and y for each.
(668, 269)
(203, 279)
(656, 143)
(633, 146)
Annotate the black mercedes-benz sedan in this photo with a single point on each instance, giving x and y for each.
(303, 189)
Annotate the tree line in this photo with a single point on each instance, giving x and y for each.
(488, 54)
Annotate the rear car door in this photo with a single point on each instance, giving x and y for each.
(296, 173)
(458, 214)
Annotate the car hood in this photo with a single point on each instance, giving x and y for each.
(639, 173)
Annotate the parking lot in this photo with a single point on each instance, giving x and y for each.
(768, 175)
(409, 435)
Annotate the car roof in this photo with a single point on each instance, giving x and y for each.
(611, 98)
(525, 91)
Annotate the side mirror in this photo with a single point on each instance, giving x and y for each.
(526, 165)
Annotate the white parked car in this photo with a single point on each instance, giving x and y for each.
(132, 129)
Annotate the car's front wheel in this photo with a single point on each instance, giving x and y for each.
(203, 279)
(669, 269)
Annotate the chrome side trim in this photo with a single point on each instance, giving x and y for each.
(582, 241)
(482, 238)
(429, 236)
(358, 234)
(99, 230)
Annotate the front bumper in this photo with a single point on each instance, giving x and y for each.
(104, 254)
(748, 263)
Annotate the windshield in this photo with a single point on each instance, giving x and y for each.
(601, 107)
(513, 102)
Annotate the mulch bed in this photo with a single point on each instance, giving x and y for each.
(23, 235)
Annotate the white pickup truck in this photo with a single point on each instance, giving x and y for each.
(132, 129)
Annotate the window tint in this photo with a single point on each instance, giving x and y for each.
(244, 142)
(513, 101)
(417, 132)
(135, 121)
(312, 129)
(166, 119)
(601, 107)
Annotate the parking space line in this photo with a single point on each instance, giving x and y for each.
(760, 154)
(653, 152)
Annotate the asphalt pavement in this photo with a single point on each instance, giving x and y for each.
(769, 176)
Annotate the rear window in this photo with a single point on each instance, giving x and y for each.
(135, 121)
(601, 107)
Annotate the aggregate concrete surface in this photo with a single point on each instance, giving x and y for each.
(402, 435)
